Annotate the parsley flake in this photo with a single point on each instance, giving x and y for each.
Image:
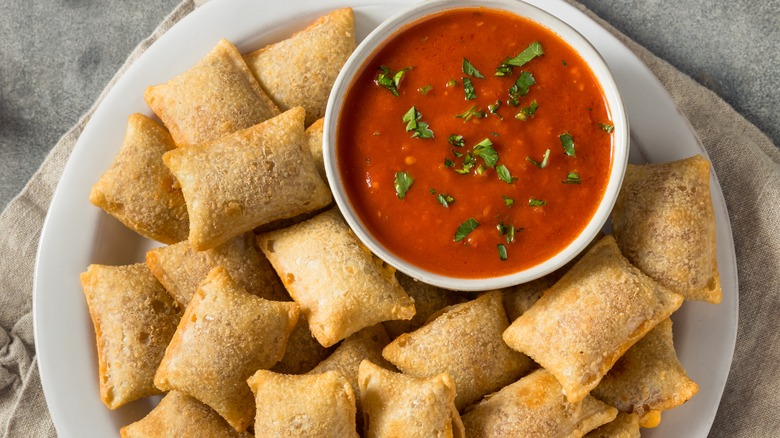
(572, 178)
(402, 184)
(445, 200)
(502, 252)
(465, 228)
(544, 161)
(520, 88)
(470, 70)
(468, 88)
(533, 202)
(386, 78)
(456, 140)
(508, 201)
(527, 112)
(424, 90)
(606, 127)
(494, 109)
(413, 123)
(484, 150)
(504, 175)
(532, 51)
(471, 112)
(567, 141)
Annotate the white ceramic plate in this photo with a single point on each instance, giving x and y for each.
(76, 233)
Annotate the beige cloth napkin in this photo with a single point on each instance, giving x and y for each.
(745, 160)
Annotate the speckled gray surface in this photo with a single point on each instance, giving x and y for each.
(57, 56)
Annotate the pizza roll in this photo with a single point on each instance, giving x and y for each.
(428, 300)
(303, 351)
(623, 426)
(590, 317)
(535, 407)
(518, 299)
(398, 405)
(138, 189)
(214, 98)
(664, 224)
(301, 70)
(246, 179)
(465, 342)
(179, 415)
(340, 286)
(366, 344)
(314, 134)
(313, 405)
(181, 269)
(134, 319)
(648, 377)
(225, 335)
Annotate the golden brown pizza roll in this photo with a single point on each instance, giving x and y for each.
(214, 98)
(366, 344)
(301, 70)
(623, 426)
(340, 286)
(314, 135)
(138, 189)
(465, 342)
(535, 407)
(303, 352)
(311, 405)
(246, 179)
(181, 269)
(518, 299)
(590, 317)
(648, 377)
(427, 301)
(179, 415)
(664, 224)
(225, 335)
(398, 405)
(134, 320)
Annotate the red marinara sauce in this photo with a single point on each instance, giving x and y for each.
(513, 212)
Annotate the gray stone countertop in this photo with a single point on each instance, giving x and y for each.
(57, 56)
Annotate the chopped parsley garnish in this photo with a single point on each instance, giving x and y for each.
(494, 109)
(508, 231)
(501, 251)
(456, 153)
(465, 228)
(572, 178)
(451, 83)
(526, 113)
(565, 64)
(468, 88)
(567, 141)
(533, 202)
(386, 78)
(471, 112)
(448, 163)
(532, 51)
(508, 201)
(470, 70)
(520, 88)
(413, 123)
(424, 90)
(504, 175)
(456, 140)
(480, 169)
(484, 150)
(544, 161)
(468, 163)
(445, 200)
(402, 184)
(606, 127)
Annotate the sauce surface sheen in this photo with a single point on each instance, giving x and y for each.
(373, 145)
